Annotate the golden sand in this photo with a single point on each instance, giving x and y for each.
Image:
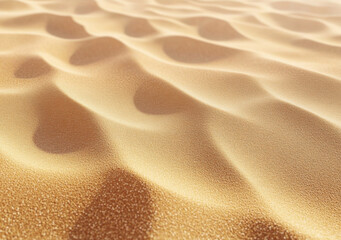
(170, 119)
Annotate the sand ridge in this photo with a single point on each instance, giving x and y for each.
(170, 119)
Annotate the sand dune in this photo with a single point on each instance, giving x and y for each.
(170, 119)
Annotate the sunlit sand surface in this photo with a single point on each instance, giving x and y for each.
(170, 119)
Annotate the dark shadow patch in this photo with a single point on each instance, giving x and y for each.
(65, 27)
(157, 97)
(86, 7)
(121, 210)
(32, 68)
(258, 228)
(64, 126)
(138, 27)
(96, 50)
(214, 29)
(188, 50)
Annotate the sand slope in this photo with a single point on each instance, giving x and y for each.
(170, 119)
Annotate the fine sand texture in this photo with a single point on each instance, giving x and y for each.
(170, 119)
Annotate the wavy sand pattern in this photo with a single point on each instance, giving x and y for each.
(170, 119)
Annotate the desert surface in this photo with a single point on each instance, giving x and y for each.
(170, 119)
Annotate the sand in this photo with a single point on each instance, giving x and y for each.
(170, 119)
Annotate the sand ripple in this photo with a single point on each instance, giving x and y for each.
(161, 119)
